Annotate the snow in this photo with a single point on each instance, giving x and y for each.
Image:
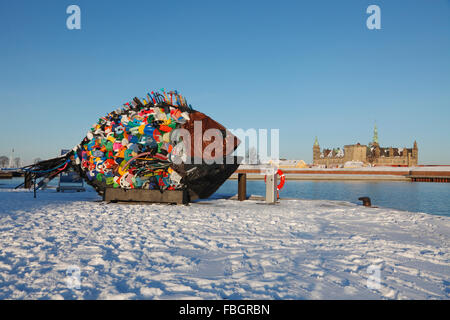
(217, 249)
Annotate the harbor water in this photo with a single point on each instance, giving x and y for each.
(433, 198)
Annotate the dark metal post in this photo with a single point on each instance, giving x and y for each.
(242, 186)
(28, 180)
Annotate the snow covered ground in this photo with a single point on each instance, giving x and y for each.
(217, 249)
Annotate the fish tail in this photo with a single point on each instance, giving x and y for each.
(50, 168)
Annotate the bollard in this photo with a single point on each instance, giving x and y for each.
(366, 201)
(242, 186)
(271, 186)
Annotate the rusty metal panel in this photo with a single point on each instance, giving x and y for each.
(142, 195)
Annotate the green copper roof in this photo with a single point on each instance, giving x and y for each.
(316, 142)
(375, 134)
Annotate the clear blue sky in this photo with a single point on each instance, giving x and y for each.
(306, 67)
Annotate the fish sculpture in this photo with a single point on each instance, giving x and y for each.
(158, 142)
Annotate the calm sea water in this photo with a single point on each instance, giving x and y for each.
(433, 198)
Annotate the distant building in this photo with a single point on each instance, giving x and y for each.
(372, 154)
(286, 164)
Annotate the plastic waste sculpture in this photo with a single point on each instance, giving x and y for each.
(152, 143)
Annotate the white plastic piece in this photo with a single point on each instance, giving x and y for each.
(185, 115)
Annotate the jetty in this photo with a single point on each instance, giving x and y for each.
(6, 175)
(408, 174)
(11, 173)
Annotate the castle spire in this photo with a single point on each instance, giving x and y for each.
(316, 142)
(375, 134)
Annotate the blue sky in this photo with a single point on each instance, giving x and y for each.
(306, 67)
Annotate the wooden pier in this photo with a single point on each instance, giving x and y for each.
(6, 175)
(9, 174)
(430, 179)
(430, 176)
(377, 174)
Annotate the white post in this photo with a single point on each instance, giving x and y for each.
(271, 186)
(11, 160)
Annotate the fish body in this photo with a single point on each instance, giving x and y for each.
(157, 143)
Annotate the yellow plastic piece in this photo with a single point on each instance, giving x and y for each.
(141, 128)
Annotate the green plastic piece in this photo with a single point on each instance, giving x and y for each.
(128, 156)
(109, 146)
(172, 125)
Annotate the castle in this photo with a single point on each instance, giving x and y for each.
(371, 155)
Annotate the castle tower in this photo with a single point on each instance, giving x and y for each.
(375, 135)
(415, 154)
(316, 151)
